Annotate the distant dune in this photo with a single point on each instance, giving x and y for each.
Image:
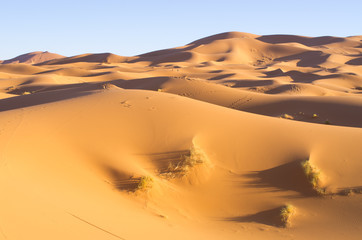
(99, 57)
(232, 136)
(33, 58)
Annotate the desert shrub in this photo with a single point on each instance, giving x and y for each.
(313, 175)
(197, 156)
(287, 116)
(145, 183)
(187, 162)
(286, 214)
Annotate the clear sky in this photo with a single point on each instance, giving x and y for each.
(133, 27)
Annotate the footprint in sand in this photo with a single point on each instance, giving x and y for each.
(126, 104)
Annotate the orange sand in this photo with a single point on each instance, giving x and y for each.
(78, 135)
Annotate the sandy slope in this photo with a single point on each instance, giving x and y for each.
(33, 58)
(78, 134)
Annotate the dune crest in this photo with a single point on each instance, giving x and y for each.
(33, 58)
(97, 58)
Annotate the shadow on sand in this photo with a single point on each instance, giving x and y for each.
(286, 177)
(269, 217)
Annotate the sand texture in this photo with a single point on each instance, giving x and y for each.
(233, 136)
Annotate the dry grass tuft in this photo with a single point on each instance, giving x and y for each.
(106, 86)
(286, 213)
(313, 175)
(287, 116)
(184, 166)
(145, 183)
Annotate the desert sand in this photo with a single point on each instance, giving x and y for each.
(233, 136)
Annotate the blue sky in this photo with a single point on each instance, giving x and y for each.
(133, 27)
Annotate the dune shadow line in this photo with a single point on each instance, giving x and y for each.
(269, 217)
(42, 98)
(286, 177)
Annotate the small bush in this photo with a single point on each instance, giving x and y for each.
(182, 168)
(106, 85)
(145, 183)
(286, 213)
(313, 175)
(287, 116)
(197, 156)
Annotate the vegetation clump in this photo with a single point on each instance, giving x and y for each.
(197, 156)
(287, 116)
(145, 183)
(183, 167)
(286, 214)
(313, 175)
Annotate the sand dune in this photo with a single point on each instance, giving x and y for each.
(231, 136)
(33, 58)
(308, 41)
(100, 58)
(355, 61)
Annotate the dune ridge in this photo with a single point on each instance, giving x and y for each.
(231, 136)
(33, 58)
